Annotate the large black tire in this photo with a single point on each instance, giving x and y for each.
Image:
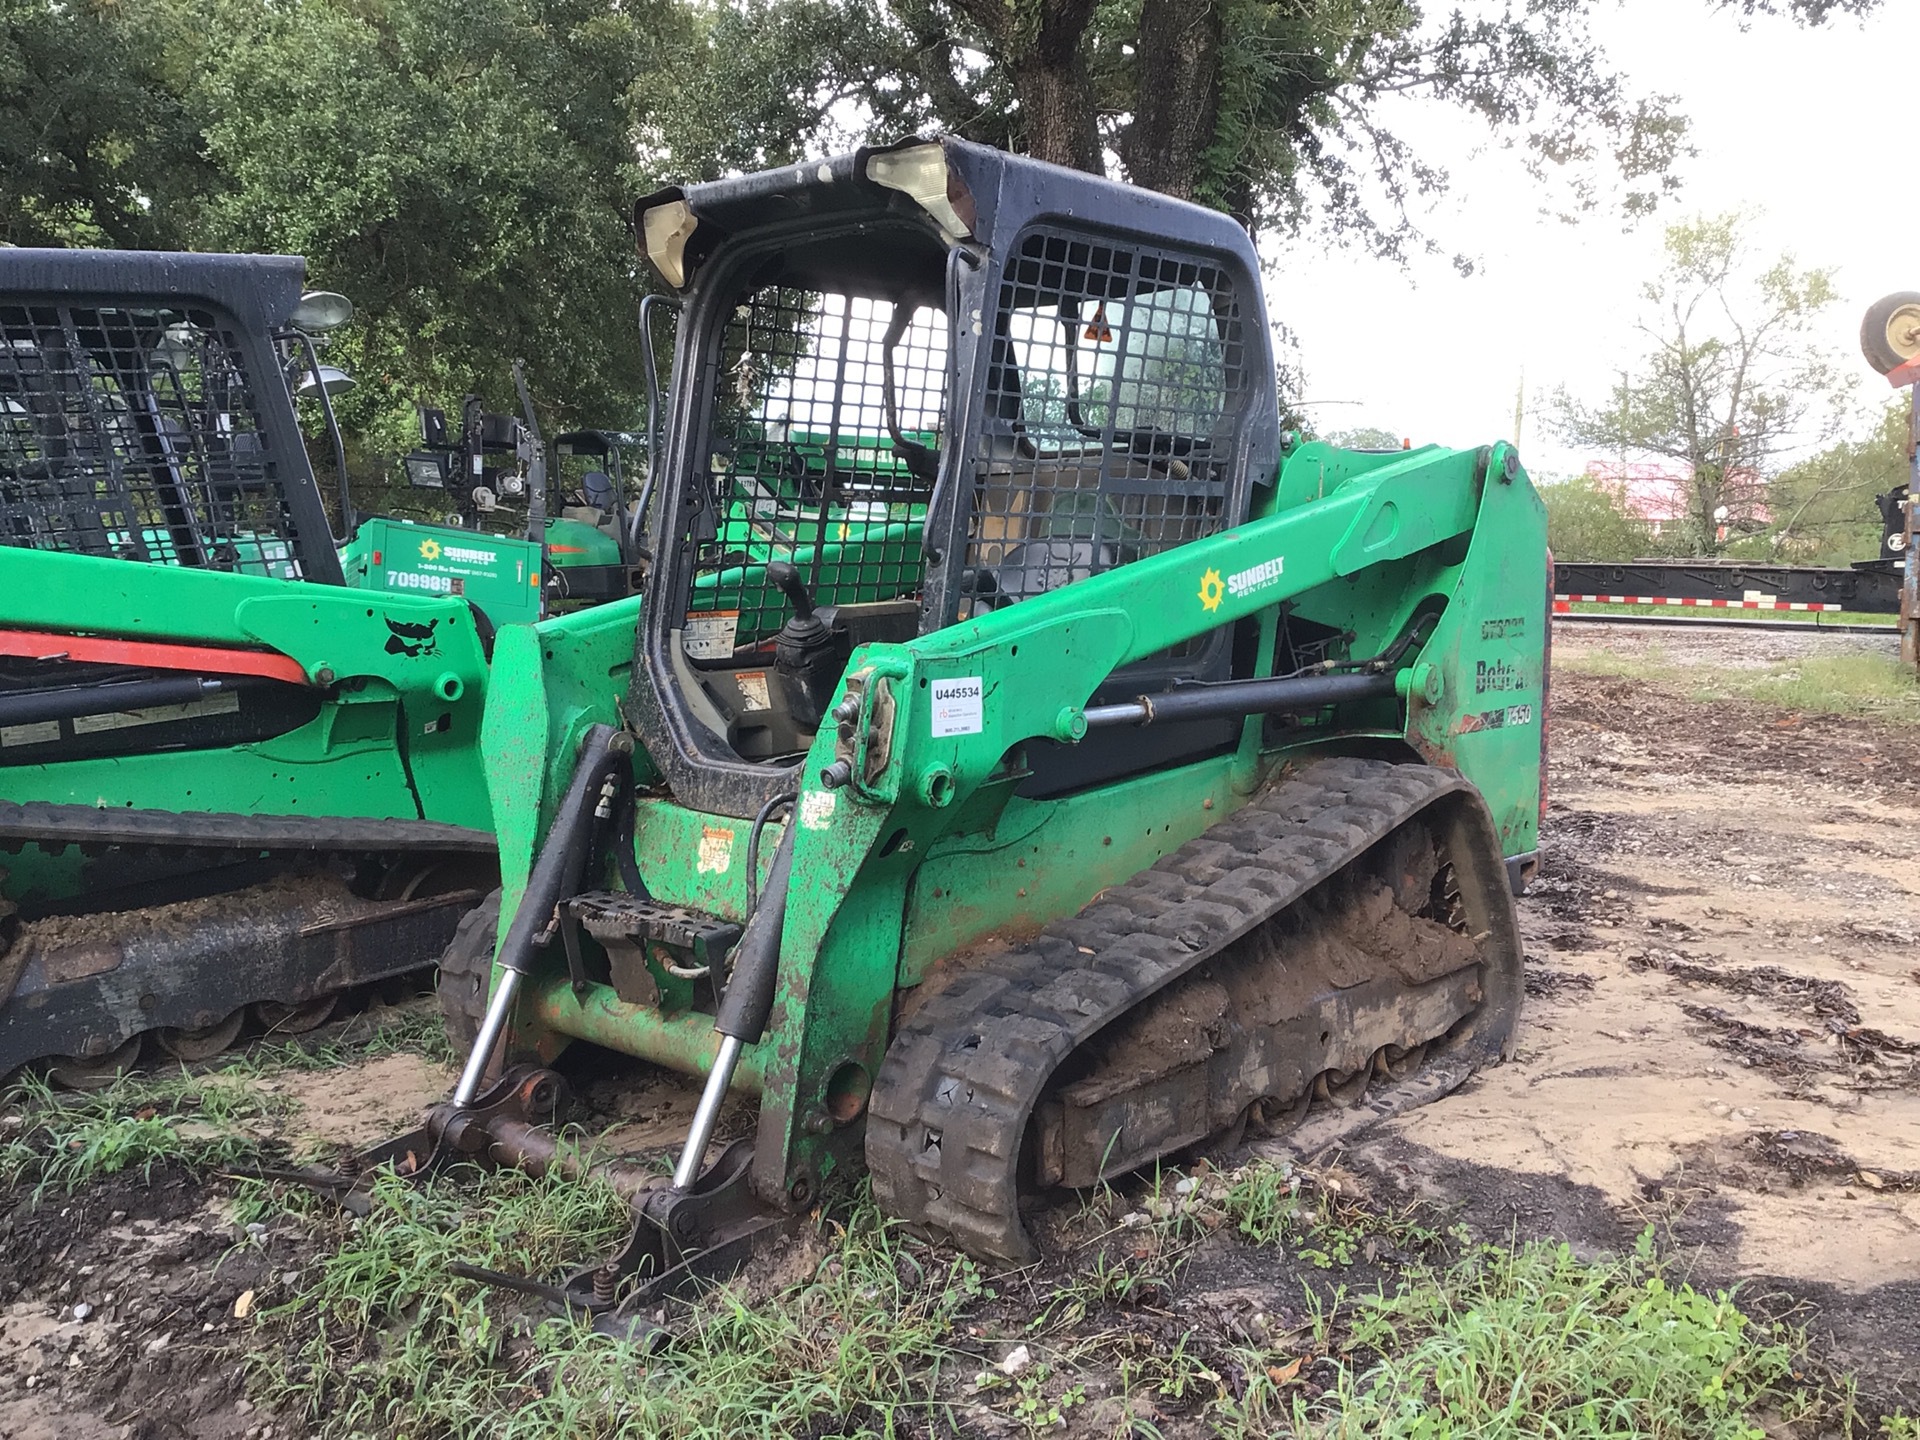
(1890, 335)
(466, 970)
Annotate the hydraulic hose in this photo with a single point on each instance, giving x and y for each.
(604, 753)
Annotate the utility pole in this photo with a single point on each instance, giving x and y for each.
(1520, 409)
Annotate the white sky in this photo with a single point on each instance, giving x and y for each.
(1812, 128)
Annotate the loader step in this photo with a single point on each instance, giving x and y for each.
(615, 914)
(952, 1106)
(38, 822)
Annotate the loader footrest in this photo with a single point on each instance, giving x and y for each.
(620, 917)
(624, 924)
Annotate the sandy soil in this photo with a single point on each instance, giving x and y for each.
(1723, 1034)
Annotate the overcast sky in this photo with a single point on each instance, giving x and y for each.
(1811, 128)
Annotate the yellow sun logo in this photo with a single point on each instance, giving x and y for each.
(1212, 591)
(430, 550)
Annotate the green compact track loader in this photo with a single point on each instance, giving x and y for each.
(1026, 760)
(232, 785)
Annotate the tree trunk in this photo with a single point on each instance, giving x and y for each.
(1178, 55)
(1058, 115)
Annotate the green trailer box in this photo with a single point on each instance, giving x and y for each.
(496, 573)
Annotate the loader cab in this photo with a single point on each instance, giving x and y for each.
(144, 415)
(913, 386)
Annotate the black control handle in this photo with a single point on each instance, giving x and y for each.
(786, 579)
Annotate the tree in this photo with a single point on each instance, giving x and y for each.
(1585, 521)
(1274, 110)
(463, 170)
(1730, 379)
(1365, 437)
(1823, 508)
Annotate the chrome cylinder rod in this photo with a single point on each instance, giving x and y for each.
(499, 1008)
(700, 1134)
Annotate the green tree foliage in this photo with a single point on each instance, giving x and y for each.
(1731, 376)
(1823, 509)
(463, 170)
(1365, 437)
(1585, 521)
(1277, 112)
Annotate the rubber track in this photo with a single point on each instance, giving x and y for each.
(971, 1063)
(465, 973)
(89, 825)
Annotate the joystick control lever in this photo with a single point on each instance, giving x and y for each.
(808, 654)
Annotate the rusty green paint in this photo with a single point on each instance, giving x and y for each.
(1047, 858)
(684, 1042)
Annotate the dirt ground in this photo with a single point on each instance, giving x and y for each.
(1723, 1031)
(1722, 1042)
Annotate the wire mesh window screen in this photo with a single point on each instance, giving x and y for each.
(826, 420)
(1114, 395)
(134, 433)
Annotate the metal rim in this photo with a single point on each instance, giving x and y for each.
(278, 1019)
(76, 1072)
(192, 1046)
(1903, 330)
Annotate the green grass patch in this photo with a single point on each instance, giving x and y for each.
(1533, 1341)
(1867, 686)
(205, 1116)
(865, 1331)
(385, 1340)
(58, 1140)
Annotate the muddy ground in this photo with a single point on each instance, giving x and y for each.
(1722, 1042)
(1723, 1032)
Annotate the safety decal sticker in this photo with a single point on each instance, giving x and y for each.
(958, 707)
(709, 634)
(753, 690)
(716, 850)
(816, 809)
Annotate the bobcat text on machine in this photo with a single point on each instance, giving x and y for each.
(1026, 760)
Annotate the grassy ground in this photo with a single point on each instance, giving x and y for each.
(1874, 686)
(208, 1116)
(1377, 1323)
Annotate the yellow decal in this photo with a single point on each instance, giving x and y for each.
(1212, 590)
(429, 549)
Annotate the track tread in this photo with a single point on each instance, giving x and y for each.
(950, 1106)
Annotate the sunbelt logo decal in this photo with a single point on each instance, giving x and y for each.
(431, 549)
(1240, 584)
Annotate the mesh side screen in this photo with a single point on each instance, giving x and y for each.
(802, 465)
(134, 433)
(1113, 397)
